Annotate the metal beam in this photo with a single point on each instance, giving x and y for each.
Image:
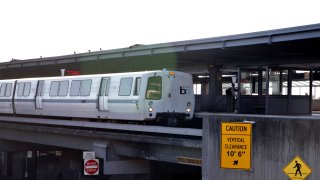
(103, 125)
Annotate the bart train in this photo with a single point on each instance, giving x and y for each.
(137, 96)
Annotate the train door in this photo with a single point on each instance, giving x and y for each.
(171, 93)
(104, 93)
(39, 94)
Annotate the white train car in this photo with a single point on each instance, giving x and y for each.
(124, 96)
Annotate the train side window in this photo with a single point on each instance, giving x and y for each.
(8, 90)
(137, 86)
(26, 90)
(154, 88)
(125, 86)
(54, 87)
(20, 89)
(5, 89)
(2, 89)
(75, 88)
(63, 88)
(85, 87)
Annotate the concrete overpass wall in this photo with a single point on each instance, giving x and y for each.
(276, 141)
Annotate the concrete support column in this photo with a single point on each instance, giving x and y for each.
(101, 150)
(215, 86)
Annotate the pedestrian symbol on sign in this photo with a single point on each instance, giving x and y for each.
(298, 166)
(297, 169)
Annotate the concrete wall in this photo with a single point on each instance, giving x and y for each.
(276, 140)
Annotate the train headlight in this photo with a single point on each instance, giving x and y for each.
(188, 104)
(188, 110)
(150, 109)
(150, 103)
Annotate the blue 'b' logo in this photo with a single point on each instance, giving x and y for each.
(183, 91)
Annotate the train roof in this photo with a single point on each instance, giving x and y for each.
(86, 76)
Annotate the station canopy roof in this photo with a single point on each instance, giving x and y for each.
(289, 47)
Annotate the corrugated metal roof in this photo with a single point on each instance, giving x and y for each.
(263, 37)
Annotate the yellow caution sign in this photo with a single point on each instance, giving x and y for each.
(297, 169)
(236, 145)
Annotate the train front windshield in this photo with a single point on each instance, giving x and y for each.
(154, 88)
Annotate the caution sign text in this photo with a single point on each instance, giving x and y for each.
(236, 145)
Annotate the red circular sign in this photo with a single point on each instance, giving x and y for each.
(91, 166)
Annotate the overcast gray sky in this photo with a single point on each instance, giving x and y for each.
(34, 28)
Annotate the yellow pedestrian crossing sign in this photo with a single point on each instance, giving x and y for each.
(297, 169)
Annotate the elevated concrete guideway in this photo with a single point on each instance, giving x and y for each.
(133, 146)
(106, 126)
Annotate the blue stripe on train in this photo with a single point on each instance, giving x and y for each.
(72, 100)
(5, 100)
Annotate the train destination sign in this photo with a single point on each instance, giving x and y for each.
(236, 145)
